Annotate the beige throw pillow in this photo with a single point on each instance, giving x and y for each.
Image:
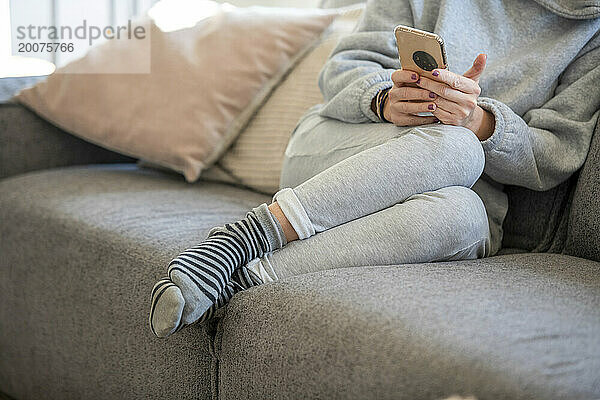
(205, 84)
(255, 158)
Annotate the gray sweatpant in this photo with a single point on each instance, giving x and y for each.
(377, 194)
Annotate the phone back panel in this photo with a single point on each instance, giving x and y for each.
(420, 51)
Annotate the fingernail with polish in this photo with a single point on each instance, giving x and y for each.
(431, 107)
(435, 73)
(414, 76)
(435, 120)
(419, 81)
(432, 95)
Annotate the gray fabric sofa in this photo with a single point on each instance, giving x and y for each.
(84, 234)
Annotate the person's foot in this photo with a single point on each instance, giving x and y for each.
(241, 280)
(201, 273)
(164, 322)
(167, 307)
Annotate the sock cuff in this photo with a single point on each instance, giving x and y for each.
(262, 268)
(271, 226)
(295, 212)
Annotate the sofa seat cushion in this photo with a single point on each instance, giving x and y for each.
(80, 251)
(508, 327)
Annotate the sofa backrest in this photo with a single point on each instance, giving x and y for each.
(537, 221)
(10, 86)
(583, 233)
(565, 219)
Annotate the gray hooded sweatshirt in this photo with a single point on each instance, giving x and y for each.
(541, 83)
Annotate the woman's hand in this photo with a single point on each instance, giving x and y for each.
(404, 101)
(456, 98)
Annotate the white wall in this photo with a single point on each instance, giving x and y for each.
(4, 28)
(70, 13)
(97, 12)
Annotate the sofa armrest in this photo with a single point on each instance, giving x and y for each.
(29, 143)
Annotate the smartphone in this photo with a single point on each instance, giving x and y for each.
(420, 51)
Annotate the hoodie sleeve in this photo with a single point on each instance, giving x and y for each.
(363, 62)
(548, 144)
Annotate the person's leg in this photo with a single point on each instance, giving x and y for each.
(241, 279)
(332, 186)
(197, 277)
(447, 224)
(413, 161)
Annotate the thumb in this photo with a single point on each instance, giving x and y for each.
(476, 70)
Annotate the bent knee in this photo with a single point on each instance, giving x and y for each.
(460, 142)
(461, 136)
(464, 227)
(467, 145)
(467, 209)
(470, 235)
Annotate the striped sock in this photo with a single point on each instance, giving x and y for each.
(200, 274)
(167, 306)
(241, 280)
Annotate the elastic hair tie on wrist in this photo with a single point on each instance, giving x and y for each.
(381, 98)
(378, 104)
